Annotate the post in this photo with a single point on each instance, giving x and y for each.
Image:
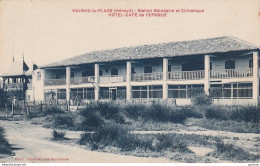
(96, 81)
(255, 78)
(207, 73)
(165, 71)
(68, 84)
(128, 80)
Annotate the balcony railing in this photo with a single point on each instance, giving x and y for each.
(81, 80)
(111, 79)
(140, 77)
(53, 82)
(231, 73)
(14, 86)
(186, 75)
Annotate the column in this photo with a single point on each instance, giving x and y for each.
(207, 73)
(128, 80)
(96, 82)
(165, 85)
(255, 78)
(68, 83)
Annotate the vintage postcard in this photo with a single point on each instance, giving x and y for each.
(129, 81)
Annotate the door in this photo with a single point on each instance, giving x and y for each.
(113, 93)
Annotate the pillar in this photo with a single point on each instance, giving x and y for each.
(96, 81)
(165, 71)
(207, 73)
(68, 83)
(255, 78)
(128, 80)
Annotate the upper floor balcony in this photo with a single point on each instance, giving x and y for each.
(14, 86)
(158, 76)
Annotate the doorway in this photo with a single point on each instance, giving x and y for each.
(113, 93)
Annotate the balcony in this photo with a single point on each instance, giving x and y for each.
(54, 82)
(231, 73)
(186, 75)
(14, 86)
(141, 77)
(81, 80)
(112, 79)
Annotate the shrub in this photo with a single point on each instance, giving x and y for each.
(216, 112)
(63, 120)
(135, 111)
(170, 142)
(230, 152)
(58, 135)
(5, 147)
(246, 113)
(89, 119)
(52, 110)
(201, 99)
(157, 112)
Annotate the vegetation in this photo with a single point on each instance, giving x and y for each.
(230, 152)
(5, 147)
(58, 135)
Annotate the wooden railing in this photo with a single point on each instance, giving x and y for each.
(111, 79)
(53, 82)
(80, 80)
(231, 73)
(14, 86)
(140, 77)
(186, 75)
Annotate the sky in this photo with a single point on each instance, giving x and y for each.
(47, 31)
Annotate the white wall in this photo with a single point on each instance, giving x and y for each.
(37, 85)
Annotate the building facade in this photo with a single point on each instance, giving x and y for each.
(225, 67)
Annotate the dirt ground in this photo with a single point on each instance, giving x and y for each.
(33, 144)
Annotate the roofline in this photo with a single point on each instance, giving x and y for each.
(43, 67)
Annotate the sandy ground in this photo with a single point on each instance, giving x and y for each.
(33, 145)
(34, 142)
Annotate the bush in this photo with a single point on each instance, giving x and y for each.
(135, 111)
(216, 112)
(230, 152)
(201, 99)
(246, 113)
(52, 110)
(161, 113)
(5, 147)
(58, 135)
(170, 142)
(89, 119)
(63, 120)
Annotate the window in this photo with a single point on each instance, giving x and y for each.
(72, 74)
(89, 72)
(154, 91)
(210, 66)
(148, 69)
(232, 90)
(183, 91)
(38, 76)
(251, 63)
(230, 64)
(114, 71)
(169, 68)
(101, 72)
(132, 70)
(61, 94)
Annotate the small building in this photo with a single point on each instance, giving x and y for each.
(224, 67)
(17, 80)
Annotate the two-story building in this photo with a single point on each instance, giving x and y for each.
(225, 67)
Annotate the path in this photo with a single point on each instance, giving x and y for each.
(35, 144)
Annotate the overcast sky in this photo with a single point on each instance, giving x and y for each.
(48, 31)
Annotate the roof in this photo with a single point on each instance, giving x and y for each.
(17, 68)
(172, 49)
